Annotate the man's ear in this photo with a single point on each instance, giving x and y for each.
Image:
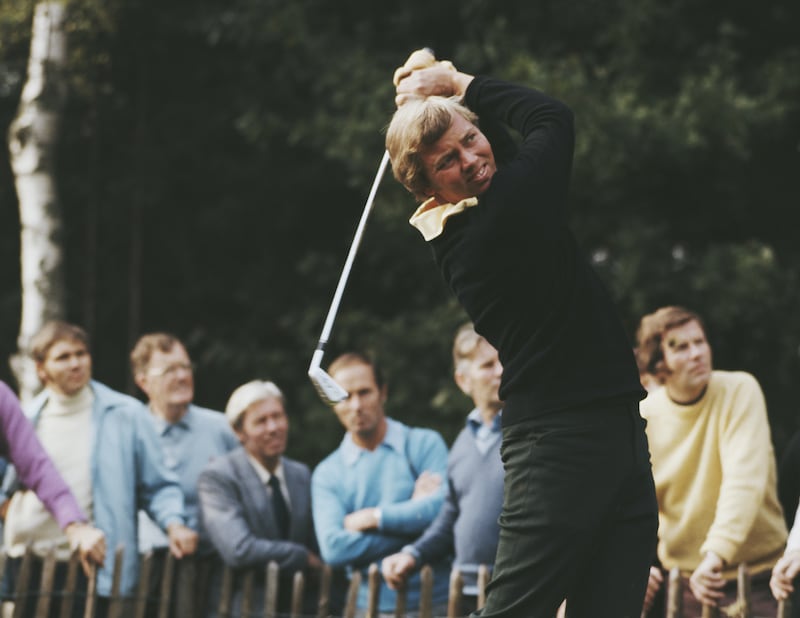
(141, 381)
(41, 373)
(464, 383)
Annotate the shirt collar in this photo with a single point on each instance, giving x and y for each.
(475, 421)
(431, 216)
(395, 439)
(264, 475)
(162, 426)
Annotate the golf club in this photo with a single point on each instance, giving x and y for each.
(330, 391)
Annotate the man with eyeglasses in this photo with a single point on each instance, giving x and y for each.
(108, 454)
(190, 436)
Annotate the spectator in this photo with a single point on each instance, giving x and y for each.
(467, 523)
(108, 454)
(713, 464)
(190, 436)
(381, 488)
(255, 502)
(20, 446)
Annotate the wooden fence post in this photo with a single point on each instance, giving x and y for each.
(46, 584)
(70, 585)
(483, 580)
(224, 609)
(324, 600)
(743, 591)
(91, 593)
(454, 594)
(167, 577)
(401, 601)
(117, 603)
(352, 595)
(271, 590)
(426, 592)
(298, 588)
(674, 594)
(373, 590)
(143, 588)
(23, 583)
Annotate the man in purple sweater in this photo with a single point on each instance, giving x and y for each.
(19, 444)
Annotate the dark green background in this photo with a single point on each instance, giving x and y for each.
(232, 143)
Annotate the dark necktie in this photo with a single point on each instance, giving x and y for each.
(279, 506)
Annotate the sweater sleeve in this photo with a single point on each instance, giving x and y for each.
(745, 449)
(33, 466)
(337, 545)
(427, 452)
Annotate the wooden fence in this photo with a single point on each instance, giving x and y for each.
(165, 591)
(674, 600)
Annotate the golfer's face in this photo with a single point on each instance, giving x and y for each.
(460, 164)
(362, 412)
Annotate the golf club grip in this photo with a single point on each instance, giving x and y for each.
(337, 296)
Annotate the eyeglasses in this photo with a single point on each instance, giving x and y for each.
(170, 370)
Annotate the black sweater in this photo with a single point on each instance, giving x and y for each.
(515, 267)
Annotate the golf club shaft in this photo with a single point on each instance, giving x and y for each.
(316, 360)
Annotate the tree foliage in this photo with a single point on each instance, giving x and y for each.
(216, 158)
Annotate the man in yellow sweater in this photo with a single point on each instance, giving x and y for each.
(713, 465)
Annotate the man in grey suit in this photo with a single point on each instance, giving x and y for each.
(255, 504)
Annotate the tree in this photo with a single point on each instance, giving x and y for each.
(32, 139)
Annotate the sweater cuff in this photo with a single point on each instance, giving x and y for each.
(724, 549)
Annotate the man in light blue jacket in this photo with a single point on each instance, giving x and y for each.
(108, 453)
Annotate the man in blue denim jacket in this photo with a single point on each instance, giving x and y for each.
(108, 453)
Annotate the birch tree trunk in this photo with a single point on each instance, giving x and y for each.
(32, 140)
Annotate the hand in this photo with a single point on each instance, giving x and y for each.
(783, 573)
(654, 583)
(435, 81)
(363, 519)
(314, 561)
(706, 582)
(419, 59)
(90, 543)
(182, 540)
(426, 485)
(396, 568)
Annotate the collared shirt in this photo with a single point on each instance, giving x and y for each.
(264, 476)
(394, 439)
(486, 436)
(431, 216)
(187, 446)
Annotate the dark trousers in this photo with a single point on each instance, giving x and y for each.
(579, 518)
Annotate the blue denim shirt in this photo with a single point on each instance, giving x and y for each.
(189, 445)
(128, 473)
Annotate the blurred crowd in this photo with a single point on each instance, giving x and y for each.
(87, 469)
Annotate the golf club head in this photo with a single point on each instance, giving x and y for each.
(328, 388)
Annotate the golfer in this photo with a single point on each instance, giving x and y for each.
(579, 515)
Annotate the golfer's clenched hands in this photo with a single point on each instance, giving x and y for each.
(423, 76)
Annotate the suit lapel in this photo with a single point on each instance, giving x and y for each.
(255, 497)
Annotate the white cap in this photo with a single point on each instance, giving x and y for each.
(246, 395)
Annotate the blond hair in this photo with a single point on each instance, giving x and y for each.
(415, 125)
